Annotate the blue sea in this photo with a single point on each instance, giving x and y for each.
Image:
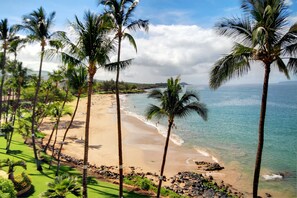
(231, 132)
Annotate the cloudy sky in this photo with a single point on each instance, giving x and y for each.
(180, 41)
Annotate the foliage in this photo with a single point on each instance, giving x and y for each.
(7, 189)
(22, 181)
(6, 127)
(146, 184)
(63, 185)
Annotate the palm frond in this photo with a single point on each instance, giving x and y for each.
(236, 28)
(139, 24)
(156, 94)
(197, 107)
(282, 67)
(131, 40)
(233, 65)
(113, 66)
(154, 111)
(292, 65)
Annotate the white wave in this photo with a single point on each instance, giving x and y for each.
(160, 128)
(206, 154)
(238, 102)
(272, 177)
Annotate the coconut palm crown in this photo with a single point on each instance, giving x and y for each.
(262, 35)
(173, 104)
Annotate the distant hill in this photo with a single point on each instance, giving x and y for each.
(289, 82)
(44, 74)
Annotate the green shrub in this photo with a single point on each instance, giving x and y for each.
(145, 184)
(7, 189)
(22, 182)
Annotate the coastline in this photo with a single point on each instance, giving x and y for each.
(142, 145)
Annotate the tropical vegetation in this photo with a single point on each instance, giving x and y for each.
(30, 100)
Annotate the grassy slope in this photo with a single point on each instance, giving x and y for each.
(20, 151)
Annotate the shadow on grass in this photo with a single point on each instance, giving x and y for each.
(14, 152)
(102, 192)
(29, 193)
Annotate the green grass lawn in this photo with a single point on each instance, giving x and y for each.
(21, 151)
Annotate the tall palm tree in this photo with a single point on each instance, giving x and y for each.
(7, 34)
(91, 50)
(20, 77)
(173, 105)
(78, 83)
(38, 25)
(260, 37)
(120, 13)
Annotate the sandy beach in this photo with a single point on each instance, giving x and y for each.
(142, 144)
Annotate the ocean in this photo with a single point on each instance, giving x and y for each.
(231, 133)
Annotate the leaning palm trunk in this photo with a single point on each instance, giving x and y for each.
(50, 137)
(119, 120)
(2, 81)
(87, 129)
(65, 134)
(13, 116)
(261, 131)
(164, 157)
(38, 164)
(57, 125)
(9, 92)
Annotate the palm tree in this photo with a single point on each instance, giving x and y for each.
(91, 50)
(38, 25)
(171, 106)
(260, 37)
(20, 78)
(15, 46)
(120, 13)
(77, 82)
(56, 110)
(7, 34)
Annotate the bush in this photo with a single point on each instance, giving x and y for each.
(22, 182)
(7, 189)
(145, 184)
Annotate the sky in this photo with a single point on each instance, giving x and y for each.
(181, 39)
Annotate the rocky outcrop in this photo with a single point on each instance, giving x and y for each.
(207, 166)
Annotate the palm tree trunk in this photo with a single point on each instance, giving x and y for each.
(50, 138)
(7, 104)
(58, 121)
(87, 129)
(42, 116)
(261, 131)
(14, 115)
(119, 119)
(65, 134)
(38, 164)
(164, 157)
(2, 80)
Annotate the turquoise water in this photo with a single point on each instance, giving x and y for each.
(231, 132)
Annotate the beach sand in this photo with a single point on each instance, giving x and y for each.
(142, 144)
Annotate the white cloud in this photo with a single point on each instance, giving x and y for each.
(189, 51)
(288, 2)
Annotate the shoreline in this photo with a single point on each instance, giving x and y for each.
(142, 144)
